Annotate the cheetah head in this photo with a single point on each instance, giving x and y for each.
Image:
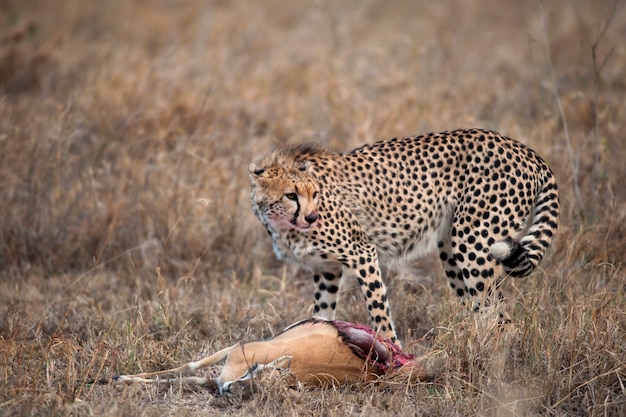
(285, 198)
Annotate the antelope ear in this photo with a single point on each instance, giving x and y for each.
(305, 166)
(254, 169)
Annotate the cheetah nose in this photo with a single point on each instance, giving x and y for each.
(312, 217)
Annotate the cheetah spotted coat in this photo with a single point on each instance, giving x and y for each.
(488, 204)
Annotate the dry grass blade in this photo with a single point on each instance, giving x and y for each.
(616, 371)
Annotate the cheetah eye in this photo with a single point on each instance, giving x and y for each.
(291, 196)
(315, 194)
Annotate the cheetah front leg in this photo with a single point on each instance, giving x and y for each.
(327, 279)
(367, 268)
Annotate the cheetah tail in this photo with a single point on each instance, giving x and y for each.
(520, 258)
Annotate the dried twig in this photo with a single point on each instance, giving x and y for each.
(574, 158)
(597, 70)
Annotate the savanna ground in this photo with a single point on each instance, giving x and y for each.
(127, 242)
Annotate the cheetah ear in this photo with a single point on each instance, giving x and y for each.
(254, 169)
(305, 166)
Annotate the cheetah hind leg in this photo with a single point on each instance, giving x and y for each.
(488, 309)
(474, 282)
(492, 303)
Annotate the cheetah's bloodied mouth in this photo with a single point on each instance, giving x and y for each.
(311, 222)
(306, 224)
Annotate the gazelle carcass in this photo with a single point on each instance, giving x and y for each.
(312, 351)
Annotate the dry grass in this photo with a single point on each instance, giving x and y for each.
(126, 239)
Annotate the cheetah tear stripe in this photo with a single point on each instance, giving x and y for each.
(487, 204)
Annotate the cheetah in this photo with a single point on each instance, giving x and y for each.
(487, 203)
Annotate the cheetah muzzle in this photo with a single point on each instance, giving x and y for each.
(487, 203)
